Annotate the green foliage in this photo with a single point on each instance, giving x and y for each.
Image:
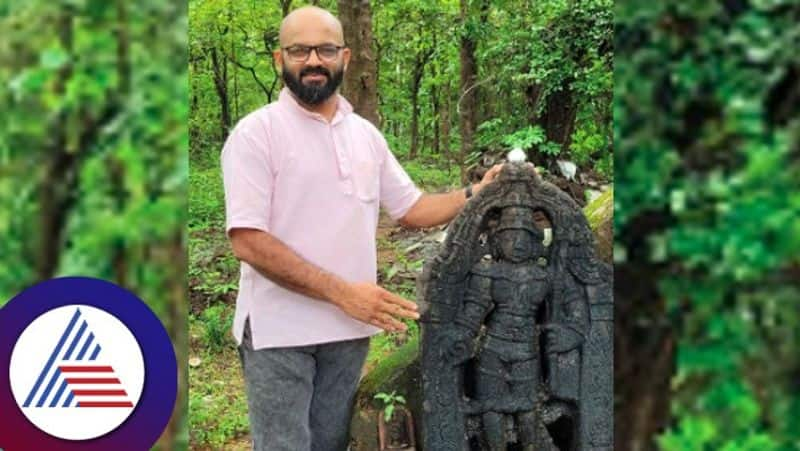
(491, 135)
(93, 146)
(556, 48)
(547, 47)
(206, 199)
(586, 141)
(430, 175)
(216, 322)
(706, 157)
(213, 419)
(215, 283)
(550, 148)
(390, 401)
(526, 137)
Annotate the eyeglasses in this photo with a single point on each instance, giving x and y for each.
(325, 52)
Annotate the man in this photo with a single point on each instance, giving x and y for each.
(304, 178)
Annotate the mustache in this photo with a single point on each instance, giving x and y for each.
(315, 70)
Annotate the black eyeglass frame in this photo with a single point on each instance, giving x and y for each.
(315, 48)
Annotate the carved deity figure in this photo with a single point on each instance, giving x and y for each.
(509, 337)
(506, 295)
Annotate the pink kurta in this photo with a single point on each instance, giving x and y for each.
(316, 186)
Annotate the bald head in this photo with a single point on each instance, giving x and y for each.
(310, 25)
(312, 56)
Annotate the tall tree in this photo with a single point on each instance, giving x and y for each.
(445, 118)
(417, 71)
(219, 67)
(468, 101)
(360, 86)
(57, 197)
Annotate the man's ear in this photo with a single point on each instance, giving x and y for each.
(346, 54)
(277, 57)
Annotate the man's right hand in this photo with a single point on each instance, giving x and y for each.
(374, 305)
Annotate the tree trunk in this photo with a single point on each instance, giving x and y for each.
(468, 91)
(235, 83)
(532, 97)
(220, 70)
(57, 192)
(116, 167)
(360, 83)
(416, 81)
(436, 118)
(286, 6)
(558, 117)
(644, 342)
(483, 98)
(445, 119)
(51, 194)
(412, 153)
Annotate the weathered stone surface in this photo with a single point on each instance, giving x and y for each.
(516, 326)
(401, 371)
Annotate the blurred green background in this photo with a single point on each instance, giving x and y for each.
(707, 217)
(93, 153)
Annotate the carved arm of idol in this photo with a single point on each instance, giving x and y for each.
(476, 306)
(572, 322)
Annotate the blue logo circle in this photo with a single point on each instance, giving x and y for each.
(89, 367)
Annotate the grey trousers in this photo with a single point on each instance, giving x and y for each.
(301, 398)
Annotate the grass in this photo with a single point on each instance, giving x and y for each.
(217, 399)
(430, 176)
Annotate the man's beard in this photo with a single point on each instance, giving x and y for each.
(313, 94)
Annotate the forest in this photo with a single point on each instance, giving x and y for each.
(452, 85)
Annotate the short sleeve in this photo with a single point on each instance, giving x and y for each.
(398, 192)
(248, 178)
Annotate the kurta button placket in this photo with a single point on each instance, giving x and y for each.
(342, 161)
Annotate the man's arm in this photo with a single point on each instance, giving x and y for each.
(436, 209)
(365, 302)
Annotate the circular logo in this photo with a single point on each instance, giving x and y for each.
(89, 367)
(77, 372)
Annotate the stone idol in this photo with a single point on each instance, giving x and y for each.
(516, 326)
